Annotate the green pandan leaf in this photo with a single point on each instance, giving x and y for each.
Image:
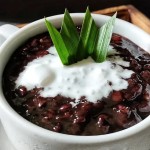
(103, 40)
(70, 35)
(87, 37)
(59, 43)
(93, 41)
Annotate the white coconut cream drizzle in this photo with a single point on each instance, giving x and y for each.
(85, 78)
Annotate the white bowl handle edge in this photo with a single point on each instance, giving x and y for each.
(6, 31)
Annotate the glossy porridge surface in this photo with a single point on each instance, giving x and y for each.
(115, 111)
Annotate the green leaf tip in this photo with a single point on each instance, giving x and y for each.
(58, 42)
(87, 36)
(103, 40)
(70, 35)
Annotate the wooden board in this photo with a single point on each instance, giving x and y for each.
(125, 12)
(130, 14)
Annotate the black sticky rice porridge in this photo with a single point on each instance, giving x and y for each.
(119, 110)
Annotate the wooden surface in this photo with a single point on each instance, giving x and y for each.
(30, 10)
(126, 12)
(130, 14)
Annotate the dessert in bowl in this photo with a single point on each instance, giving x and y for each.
(81, 118)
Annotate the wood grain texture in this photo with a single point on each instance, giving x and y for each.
(126, 12)
(130, 14)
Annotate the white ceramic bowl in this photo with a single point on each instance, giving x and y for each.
(27, 136)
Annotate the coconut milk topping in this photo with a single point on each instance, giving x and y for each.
(85, 78)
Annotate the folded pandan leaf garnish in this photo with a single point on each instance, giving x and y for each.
(92, 41)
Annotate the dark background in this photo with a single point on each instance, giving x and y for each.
(30, 10)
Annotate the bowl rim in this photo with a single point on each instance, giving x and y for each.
(6, 108)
